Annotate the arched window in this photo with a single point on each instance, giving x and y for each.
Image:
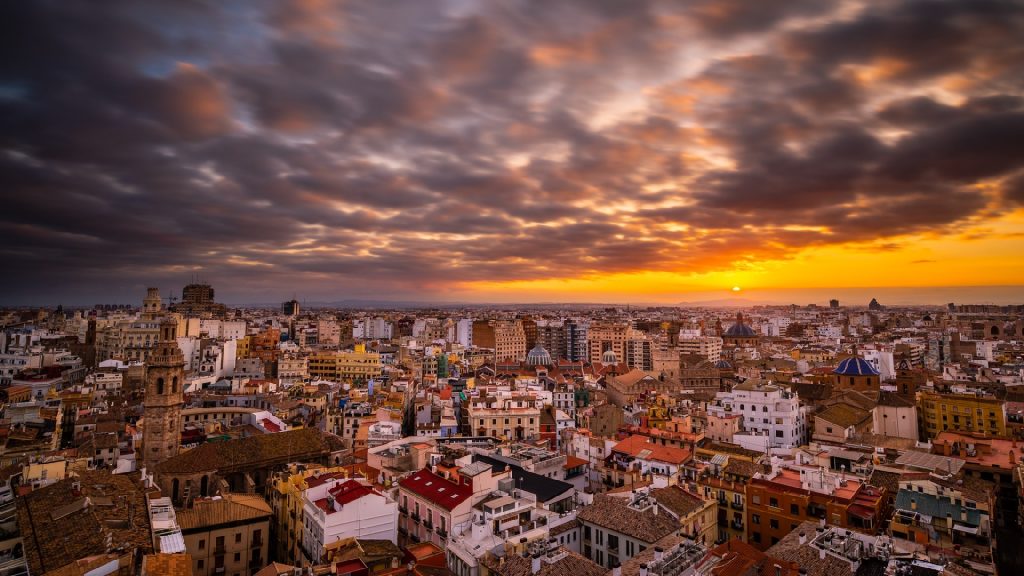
(159, 385)
(174, 385)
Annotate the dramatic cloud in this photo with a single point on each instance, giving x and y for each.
(395, 149)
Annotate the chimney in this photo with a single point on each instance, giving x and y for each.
(617, 570)
(803, 538)
(643, 569)
(535, 564)
(659, 554)
(821, 553)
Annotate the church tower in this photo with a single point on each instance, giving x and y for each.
(151, 304)
(165, 379)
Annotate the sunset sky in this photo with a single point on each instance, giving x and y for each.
(512, 151)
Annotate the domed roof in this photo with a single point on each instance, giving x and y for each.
(855, 366)
(723, 365)
(739, 329)
(609, 357)
(538, 356)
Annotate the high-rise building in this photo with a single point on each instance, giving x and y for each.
(576, 334)
(605, 336)
(290, 308)
(833, 303)
(165, 381)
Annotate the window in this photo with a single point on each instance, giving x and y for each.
(238, 557)
(238, 538)
(773, 524)
(755, 518)
(756, 498)
(755, 537)
(202, 544)
(201, 564)
(794, 509)
(773, 502)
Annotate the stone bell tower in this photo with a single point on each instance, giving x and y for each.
(165, 379)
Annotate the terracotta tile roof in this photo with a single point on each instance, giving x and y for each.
(614, 513)
(435, 489)
(737, 558)
(231, 508)
(843, 415)
(60, 525)
(167, 565)
(572, 564)
(245, 452)
(790, 550)
(677, 500)
(640, 447)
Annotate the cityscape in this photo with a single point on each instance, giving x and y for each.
(512, 288)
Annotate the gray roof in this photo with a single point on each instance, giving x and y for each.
(930, 462)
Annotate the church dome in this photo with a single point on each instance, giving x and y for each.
(739, 329)
(723, 365)
(609, 357)
(855, 366)
(538, 356)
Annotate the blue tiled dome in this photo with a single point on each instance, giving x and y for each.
(739, 329)
(723, 365)
(855, 366)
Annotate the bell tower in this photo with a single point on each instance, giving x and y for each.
(152, 304)
(165, 379)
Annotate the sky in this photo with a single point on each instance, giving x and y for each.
(512, 150)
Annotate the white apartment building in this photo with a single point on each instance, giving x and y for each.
(709, 347)
(772, 415)
(337, 508)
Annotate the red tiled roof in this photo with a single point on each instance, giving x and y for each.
(350, 491)
(270, 425)
(636, 444)
(435, 489)
(572, 462)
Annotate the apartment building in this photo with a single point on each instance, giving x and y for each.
(516, 417)
(227, 535)
(772, 415)
(336, 508)
(345, 366)
(961, 412)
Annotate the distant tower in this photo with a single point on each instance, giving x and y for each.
(152, 304)
(833, 303)
(165, 378)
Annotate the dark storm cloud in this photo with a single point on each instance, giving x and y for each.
(373, 148)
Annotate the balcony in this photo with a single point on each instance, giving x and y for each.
(416, 517)
(219, 549)
(428, 524)
(737, 524)
(737, 505)
(402, 529)
(403, 510)
(219, 570)
(257, 542)
(442, 533)
(723, 502)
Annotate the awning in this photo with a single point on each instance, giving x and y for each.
(967, 529)
(862, 512)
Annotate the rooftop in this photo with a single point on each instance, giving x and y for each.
(92, 514)
(615, 513)
(208, 513)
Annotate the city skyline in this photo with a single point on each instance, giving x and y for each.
(644, 152)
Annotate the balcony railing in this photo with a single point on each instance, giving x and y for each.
(403, 510)
(737, 505)
(442, 533)
(416, 517)
(219, 549)
(737, 525)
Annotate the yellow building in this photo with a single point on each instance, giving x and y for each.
(285, 496)
(242, 347)
(984, 414)
(345, 366)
